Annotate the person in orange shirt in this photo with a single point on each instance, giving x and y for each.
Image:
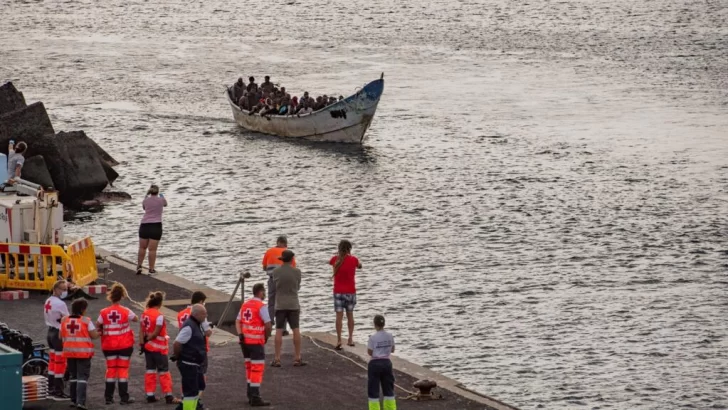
(154, 342)
(271, 260)
(77, 333)
(117, 343)
(184, 314)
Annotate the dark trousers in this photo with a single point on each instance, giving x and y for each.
(193, 381)
(380, 374)
(80, 370)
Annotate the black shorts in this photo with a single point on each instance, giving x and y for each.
(151, 231)
(290, 316)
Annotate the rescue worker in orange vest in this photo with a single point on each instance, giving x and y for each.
(271, 260)
(197, 298)
(254, 326)
(77, 332)
(54, 311)
(154, 342)
(117, 343)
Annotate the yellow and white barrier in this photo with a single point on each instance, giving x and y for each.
(37, 267)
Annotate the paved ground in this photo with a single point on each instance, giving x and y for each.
(330, 381)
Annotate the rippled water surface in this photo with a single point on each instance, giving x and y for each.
(540, 207)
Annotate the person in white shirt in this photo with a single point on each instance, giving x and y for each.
(54, 310)
(380, 373)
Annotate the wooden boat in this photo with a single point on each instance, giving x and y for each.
(345, 121)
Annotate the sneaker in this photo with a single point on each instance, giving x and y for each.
(72, 404)
(60, 396)
(81, 406)
(172, 400)
(258, 402)
(109, 401)
(130, 400)
(152, 399)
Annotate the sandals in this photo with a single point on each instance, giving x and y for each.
(338, 347)
(352, 344)
(299, 363)
(139, 270)
(152, 271)
(275, 363)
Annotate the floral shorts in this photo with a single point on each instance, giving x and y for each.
(344, 301)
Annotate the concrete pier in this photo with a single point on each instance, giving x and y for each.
(331, 380)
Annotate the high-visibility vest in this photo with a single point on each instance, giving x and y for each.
(77, 343)
(185, 314)
(271, 261)
(116, 331)
(149, 322)
(252, 323)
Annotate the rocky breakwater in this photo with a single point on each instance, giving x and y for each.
(69, 162)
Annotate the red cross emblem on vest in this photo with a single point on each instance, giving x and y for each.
(113, 316)
(48, 306)
(248, 315)
(184, 318)
(146, 322)
(72, 326)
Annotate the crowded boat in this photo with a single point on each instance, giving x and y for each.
(269, 99)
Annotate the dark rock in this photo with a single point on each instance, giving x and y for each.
(24, 124)
(84, 172)
(105, 157)
(111, 175)
(35, 170)
(10, 98)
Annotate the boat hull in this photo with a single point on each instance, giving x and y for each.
(346, 121)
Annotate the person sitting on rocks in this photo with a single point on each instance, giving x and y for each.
(16, 159)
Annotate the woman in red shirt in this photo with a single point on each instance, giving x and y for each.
(344, 265)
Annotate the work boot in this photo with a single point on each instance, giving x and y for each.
(152, 399)
(129, 400)
(256, 401)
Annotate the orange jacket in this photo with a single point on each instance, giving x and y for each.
(77, 343)
(116, 333)
(252, 323)
(149, 322)
(271, 261)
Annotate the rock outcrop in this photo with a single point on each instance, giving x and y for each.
(71, 162)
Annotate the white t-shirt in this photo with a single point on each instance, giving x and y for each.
(54, 311)
(185, 334)
(381, 344)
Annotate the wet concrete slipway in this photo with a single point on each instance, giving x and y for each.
(540, 208)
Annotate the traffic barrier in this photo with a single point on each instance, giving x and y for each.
(32, 266)
(83, 262)
(14, 295)
(95, 289)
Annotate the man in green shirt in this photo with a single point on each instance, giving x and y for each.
(287, 281)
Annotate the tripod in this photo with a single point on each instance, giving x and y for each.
(241, 285)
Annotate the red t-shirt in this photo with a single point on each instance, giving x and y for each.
(344, 280)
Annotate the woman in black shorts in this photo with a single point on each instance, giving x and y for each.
(150, 230)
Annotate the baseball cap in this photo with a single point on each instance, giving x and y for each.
(287, 256)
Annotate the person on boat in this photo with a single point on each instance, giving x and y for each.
(150, 229)
(243, 102)
(154, 342)
(341, 97)
(252, 86)
(117, 343)
(238, 89)
(294, 105)
(344, 266)
(267, 85)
